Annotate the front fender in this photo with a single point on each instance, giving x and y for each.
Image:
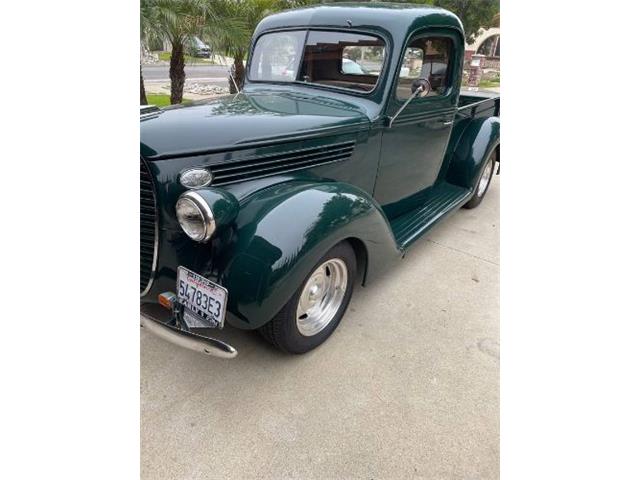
(281, 233)
(478, 140)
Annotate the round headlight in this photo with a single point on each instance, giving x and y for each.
(196, 178)
(195, 217)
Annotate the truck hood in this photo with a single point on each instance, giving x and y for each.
(243, 120)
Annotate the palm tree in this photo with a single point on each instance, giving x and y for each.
(240, 20)
(146, 31)
(233, 40)
(178, 21)
(143, 94)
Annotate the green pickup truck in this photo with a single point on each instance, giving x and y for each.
(348, 142)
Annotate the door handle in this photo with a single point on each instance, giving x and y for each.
(450, 122)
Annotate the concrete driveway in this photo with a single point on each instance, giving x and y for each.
(406, 387)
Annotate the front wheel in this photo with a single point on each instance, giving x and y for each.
(483, 183)
(317, 307)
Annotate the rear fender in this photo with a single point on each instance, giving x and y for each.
(280, 234)
(478, 141)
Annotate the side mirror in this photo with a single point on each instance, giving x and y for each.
(421, 84)
(419, 88)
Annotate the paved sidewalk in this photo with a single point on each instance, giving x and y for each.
(407, 386)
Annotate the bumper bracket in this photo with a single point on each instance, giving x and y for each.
(182, 337)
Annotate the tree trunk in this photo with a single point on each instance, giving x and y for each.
(238, 74)
(176, 72)
(143, 94)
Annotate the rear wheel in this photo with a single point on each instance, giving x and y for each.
(484, 182)
(317, 307)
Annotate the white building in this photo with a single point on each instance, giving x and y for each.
(487, 43)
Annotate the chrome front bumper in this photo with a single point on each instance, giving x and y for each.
(186, 338)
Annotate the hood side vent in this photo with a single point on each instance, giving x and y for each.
(263, 166)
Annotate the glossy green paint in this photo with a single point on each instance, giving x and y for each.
(224, 205)
(480, 137)
(249, 119)
(272, 230)
(404, 173)
(280, 235)
(274, 240)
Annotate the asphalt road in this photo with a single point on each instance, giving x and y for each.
(407, 386)
(160, 73)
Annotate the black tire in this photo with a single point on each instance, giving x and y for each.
(282, 331)
(478, 195)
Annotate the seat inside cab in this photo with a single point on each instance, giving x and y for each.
(351, 61)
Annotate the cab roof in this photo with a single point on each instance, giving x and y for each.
(399, 19)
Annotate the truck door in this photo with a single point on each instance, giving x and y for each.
(413, 147)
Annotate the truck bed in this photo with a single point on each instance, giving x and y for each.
(478, 104)
(472, 106)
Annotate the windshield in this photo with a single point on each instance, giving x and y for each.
(336, 59)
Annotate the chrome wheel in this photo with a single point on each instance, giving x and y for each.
(486, 176)
(321, 297)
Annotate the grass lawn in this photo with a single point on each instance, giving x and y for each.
(161, 99)
(484, 83)
(489, 83)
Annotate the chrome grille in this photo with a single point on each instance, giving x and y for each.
(148, 229)
(266, 165)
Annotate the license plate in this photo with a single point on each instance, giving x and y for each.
(205, 303)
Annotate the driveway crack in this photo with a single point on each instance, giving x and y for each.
(463, 252)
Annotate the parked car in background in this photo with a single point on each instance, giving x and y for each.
(353, 68)
(262, 210)
(197, 48)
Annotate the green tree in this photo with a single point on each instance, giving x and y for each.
(177, 21)
(240, 20)
(241, 16)
(474, 14)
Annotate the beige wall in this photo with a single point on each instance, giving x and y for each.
(482, 36)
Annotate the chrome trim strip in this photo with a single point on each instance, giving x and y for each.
(475, 104)
(188, 340)
(287, 153)
(149, 111)
(156, 235)
(288, 170)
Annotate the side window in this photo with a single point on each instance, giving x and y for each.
(428, 58)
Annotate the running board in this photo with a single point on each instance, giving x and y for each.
(441, 201)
